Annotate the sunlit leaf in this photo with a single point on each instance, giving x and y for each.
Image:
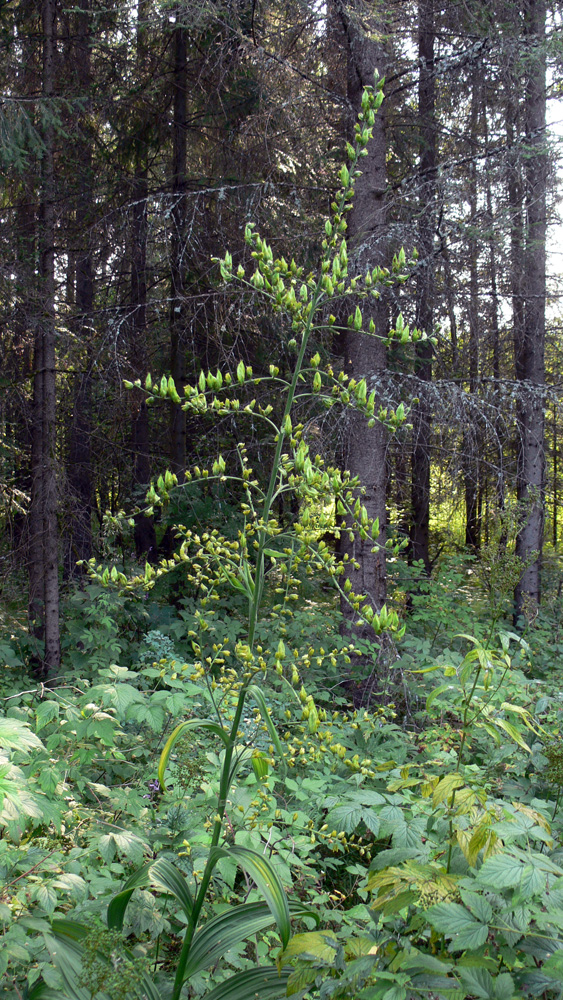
(178, 732)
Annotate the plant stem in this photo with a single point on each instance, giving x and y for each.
(263, 535)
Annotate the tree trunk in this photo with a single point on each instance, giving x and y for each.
(555, 486)
(79, 464)
(365, 356)
(420, 493)
(178, 248)
(43, 552)
(495, 333)
(471, 433)
(140, 433)
(529, 348)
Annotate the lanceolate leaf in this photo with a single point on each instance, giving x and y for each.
(163, 875)
(512, 731)
(229, 929)
(262, 871)
(212, 727)
(255, 984)
(256, 693)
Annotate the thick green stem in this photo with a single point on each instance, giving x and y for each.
(263, 535)
(217, 827)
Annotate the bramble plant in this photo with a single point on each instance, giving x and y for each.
(231, 666)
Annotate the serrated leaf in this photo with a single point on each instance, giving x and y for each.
(46, 897)
(504, 986)
(16, 735)
(479, 906)
(318, 946)
(456, 922)
(478, 982)
(371, 820)
(395, 993)
(554, 965)
(345, 818)
(45, 712)
(301, 978)
(74, 884)
(502, 871)
(446, 787)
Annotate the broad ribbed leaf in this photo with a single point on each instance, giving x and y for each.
(40, 991)
(262, 871)
(227, 930)
(66, 952)
(212, 727)
(117, 906)
(254, 984)
(70, 930)
(163, 875)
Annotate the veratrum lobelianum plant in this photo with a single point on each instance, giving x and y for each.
(232, 671)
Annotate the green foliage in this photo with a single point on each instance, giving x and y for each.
(198, 795)
(229, 663)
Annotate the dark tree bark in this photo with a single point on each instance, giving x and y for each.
(178, 248)
(78, 545)
(43, 548)
(420, 492)
(471, 434)
(140, 432)
(140, 440)
(530, 344)
(500, 489)
(365, 356)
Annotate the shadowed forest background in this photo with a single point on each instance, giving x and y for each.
(281, 609)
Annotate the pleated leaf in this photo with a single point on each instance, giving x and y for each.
(163, 875)
(40, 991)
(212, 727)
(66, 952)
(228, 929)
(267, 880)
(254, 984)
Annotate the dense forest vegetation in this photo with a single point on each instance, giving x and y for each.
(281, 592)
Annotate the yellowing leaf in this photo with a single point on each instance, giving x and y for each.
(318, 945)
(446, 787)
